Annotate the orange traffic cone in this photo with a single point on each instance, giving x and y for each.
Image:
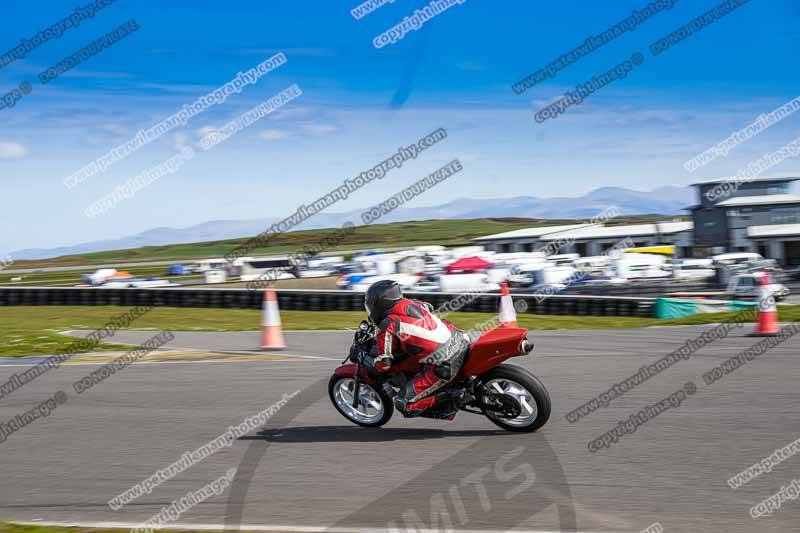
(768, 325)
(508, 315)
(271, 334)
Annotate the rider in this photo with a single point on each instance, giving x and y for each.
(407, 328)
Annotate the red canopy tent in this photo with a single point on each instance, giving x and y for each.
(468, 265)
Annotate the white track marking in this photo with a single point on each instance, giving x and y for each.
(255, 527)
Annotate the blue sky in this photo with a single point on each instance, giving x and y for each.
(360, 103)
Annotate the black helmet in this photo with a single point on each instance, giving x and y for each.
(380, 297)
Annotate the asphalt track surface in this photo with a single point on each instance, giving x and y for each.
(310, 469)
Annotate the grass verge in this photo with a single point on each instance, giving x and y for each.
(31, 330)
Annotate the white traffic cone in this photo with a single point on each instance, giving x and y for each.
(508, 315)
(271, 333)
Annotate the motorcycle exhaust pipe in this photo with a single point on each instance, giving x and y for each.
(525, 347)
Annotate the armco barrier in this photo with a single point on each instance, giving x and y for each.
(303, 300)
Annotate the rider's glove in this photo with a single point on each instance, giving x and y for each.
(428, 306)
(354, 352)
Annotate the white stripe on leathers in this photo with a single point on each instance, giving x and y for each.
(439, 335)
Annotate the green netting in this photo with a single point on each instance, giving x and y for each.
(675, 308)
(738, 305)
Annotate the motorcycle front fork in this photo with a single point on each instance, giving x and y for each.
(356, 386)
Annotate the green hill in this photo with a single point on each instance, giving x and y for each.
(442, 232)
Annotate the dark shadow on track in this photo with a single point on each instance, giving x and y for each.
(358, 434)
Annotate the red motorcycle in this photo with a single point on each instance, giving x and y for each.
(509, 396)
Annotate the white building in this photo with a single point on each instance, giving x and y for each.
(591, 239)
(521, 240)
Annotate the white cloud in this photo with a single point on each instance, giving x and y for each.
(190, 88)
(205, 130)
(319, 129)
(11, 150)
(201, 134)
(116, 129)
(180, 140)
(274, 135)
(293, 113)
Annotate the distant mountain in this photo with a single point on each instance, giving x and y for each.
(663, 200)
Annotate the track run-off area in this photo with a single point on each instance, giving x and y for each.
(309, 469)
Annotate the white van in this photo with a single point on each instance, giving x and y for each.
(692, 269)
(466, 282)
(595, 266)
(736, 258)
(640, 266)
(563, 259)
(202, 265)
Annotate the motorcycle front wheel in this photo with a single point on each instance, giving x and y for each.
(374, 407)
(523, 388)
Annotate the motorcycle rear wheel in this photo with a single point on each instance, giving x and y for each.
(524, 388)
(374, 409)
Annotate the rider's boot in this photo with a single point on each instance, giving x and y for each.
(413, 409)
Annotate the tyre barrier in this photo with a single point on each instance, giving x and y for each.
(304, 300)
(643, 288)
